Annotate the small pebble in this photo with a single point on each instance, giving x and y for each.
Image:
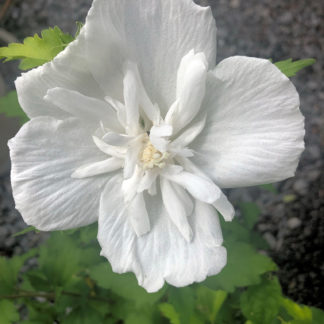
(293, 222)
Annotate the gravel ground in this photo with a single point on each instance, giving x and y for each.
(292, 220)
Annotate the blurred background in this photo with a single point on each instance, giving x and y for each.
(292, 219)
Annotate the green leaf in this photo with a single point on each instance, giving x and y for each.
(36, 50)
(60, 259)
(244, 268)
(169, 312)
(297, 312)
(290, 68)
(124, 285)
(209, 302)
(9, 269)
(8, 311)
(261, 303)
(83, 315)
(39, 313)
(9, 106)
(317, 315)
(250, 212)
(183, 301)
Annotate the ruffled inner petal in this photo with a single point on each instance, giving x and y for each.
(86, 108)
(176, 209)
(96, 168)
(162, 254)
(120, 30)
(191, 89)
(199, 187)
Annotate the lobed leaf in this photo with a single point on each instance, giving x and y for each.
(60, 259)
(35, 51)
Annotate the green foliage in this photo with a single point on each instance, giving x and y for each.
(290, 67)
(124, 285)
(250, 212)
(245, 260)
(170, 313)
(8, 312)
(76, 285)
(261, 303)
(9, 106)
(209, 302)
(35, 51)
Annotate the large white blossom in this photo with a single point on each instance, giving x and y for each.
(134, 126)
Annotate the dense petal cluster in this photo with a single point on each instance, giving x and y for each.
(133, 126)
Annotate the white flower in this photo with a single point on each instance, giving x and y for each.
(132, 124)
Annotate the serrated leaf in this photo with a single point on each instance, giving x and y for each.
(60, 259)
(123, 285)
(260, 304)
(8, 311)
(250, 212)
(169, 312)
(209, 302)
(290, 68)
(35, 51)
(9, 106)
(40, 313)
(9, 269)
(244, 268)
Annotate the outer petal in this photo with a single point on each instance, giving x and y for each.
(44, 154)
(155, 34)
(162, 254)
(68, 70)
(254, 131)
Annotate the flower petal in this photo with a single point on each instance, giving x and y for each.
(189, 134)
(162, 254)
(224, 207)
(119, 152)
(68, 70)
(191, 87)
(254, 131)
(121, 30)
(83, 107)
(176, 208)
(138, 216)
(199, 187)
(44, 154)
(96, 168)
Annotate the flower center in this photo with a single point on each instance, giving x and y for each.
(152, 157)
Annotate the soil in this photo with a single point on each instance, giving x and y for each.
(292, 219)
